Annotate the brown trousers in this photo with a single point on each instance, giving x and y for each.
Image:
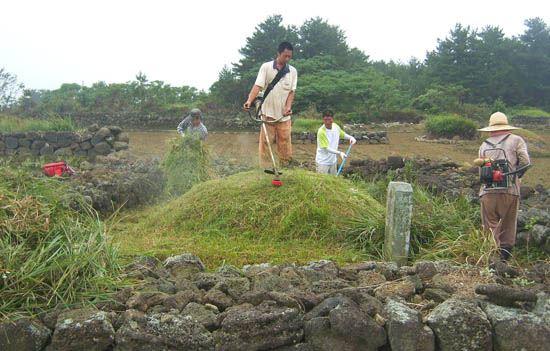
(279, 134)
(499, 214)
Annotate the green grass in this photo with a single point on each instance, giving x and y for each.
(529, 112)
(186, 163)
(243, 219)
(49, 253)
(448, 126)
(300, 125)
(445, 228)
(10, 124)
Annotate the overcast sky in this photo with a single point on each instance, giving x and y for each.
(46, 43)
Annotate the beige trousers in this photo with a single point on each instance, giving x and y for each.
(279, 134)
(499, 214)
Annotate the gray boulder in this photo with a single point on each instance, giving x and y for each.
(207, 316)
(11, 142)
(460, 325)
(65, 151)
(405, 329)
(47, 149)
(100, 135)
(23, 335)
(83, 329)
(514, 329)
(338, 323)
(184, 266)
(162, 331)
(262, 327)
(118, 145)
(505, 295)
(102, 148)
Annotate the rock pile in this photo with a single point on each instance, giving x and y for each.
(378, 137)
(178, 305)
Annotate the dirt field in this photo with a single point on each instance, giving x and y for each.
(242, 148)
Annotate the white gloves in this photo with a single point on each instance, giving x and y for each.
(352, 140)
(343, 155)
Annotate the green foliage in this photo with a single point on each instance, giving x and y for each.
(49, 252)
(10, 89)
(365, 91)
(186, 163)
(9, 124)
(301, 125)
(529, 112)
(135, 97)
(438, 99)
(448, 126)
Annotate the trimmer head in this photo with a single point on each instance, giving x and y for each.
(273, 171)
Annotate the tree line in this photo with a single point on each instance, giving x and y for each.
(468, 72)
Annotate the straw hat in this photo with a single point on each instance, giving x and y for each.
(498, 121)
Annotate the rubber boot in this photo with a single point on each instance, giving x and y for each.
(505, 253)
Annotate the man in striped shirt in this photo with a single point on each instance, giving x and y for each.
(192, 124)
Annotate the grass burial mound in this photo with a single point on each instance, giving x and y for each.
(244, 219)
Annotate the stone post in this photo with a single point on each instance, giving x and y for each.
(398, 222)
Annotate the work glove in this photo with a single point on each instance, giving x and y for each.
(343, 155)
(352, 140)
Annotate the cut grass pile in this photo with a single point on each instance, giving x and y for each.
(243, 219)
(187, 162)
(49, 253)
(11, 124)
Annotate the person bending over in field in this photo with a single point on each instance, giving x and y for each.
(192, 124)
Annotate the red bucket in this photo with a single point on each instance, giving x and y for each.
(55, 169)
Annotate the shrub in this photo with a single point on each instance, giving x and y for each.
(449, 126)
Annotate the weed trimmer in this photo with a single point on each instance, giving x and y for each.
(348, 151)
(276, 179)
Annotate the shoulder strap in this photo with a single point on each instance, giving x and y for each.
(500, 142)
(280, 74)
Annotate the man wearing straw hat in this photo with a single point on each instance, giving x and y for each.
(499, 207)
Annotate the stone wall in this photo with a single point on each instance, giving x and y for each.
(167, 122)
(529, 121)
(378, 137)
(178, 305)
(90, 143)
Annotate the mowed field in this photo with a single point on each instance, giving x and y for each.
(242, 148)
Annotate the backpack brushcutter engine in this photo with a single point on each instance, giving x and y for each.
(496, 174)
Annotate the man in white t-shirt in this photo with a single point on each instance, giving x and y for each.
(277, 107)
(328, 138)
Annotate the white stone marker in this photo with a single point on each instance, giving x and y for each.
(398, 222)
